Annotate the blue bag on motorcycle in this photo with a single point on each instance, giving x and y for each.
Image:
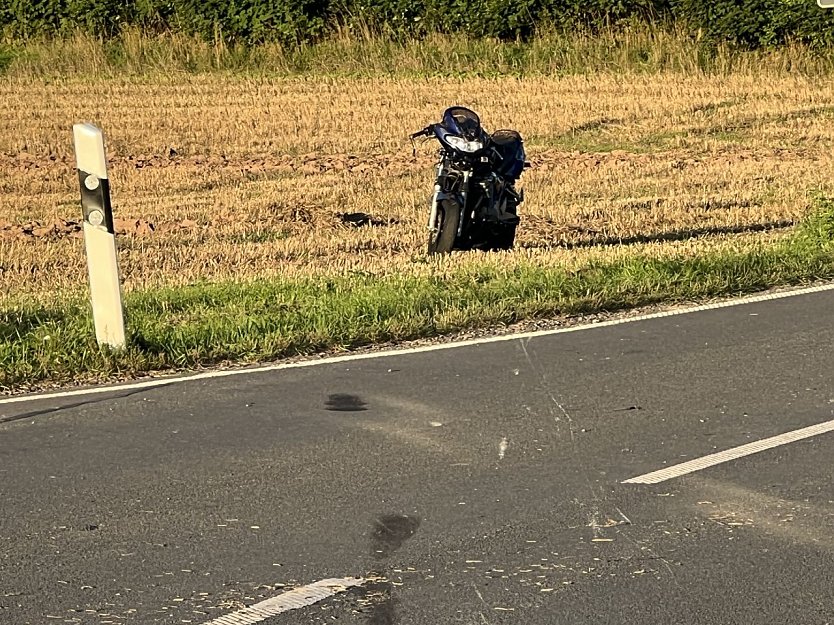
(511, 148)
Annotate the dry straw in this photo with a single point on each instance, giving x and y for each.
(219, 176)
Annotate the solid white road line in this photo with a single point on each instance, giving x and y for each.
(290, 600)
(164, 381)
(730, 454)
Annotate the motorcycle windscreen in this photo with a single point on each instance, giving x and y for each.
(463, 122)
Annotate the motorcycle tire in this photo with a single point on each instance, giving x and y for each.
(448, 220)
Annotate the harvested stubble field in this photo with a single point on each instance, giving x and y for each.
(217, 176)
(296, 210)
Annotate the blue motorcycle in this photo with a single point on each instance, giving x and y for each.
(475, 202)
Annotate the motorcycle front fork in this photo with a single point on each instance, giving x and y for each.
(435, 200)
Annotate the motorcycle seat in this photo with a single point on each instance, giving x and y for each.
(507, 138)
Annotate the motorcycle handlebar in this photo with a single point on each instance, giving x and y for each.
(425, 132)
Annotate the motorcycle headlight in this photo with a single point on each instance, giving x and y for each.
(459, 143)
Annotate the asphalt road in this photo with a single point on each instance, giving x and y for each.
(481, 484)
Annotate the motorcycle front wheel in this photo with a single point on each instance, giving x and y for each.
(448, 220)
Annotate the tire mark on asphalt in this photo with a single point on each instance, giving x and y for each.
(539, 372)
(389, 533)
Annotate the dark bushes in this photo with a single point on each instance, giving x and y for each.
(746, 23)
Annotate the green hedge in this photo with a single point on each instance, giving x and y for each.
(493, 18)
(758, 23)
(748, 23)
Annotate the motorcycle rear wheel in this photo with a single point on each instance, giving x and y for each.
(448, 220)
(505, 238)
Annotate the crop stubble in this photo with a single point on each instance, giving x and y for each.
(218, 176)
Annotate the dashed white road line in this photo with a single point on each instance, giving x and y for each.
(730, 454)
(165, 381)
(291, 600)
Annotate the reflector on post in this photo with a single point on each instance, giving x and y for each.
(99, 236)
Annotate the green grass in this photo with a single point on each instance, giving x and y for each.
(636, 48)
(205, 324)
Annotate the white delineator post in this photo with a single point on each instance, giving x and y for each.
(99, 236)
(826, 4)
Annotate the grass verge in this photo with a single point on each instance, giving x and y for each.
(205, 324)
(637, 48)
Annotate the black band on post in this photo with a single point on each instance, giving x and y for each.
(95, 200)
